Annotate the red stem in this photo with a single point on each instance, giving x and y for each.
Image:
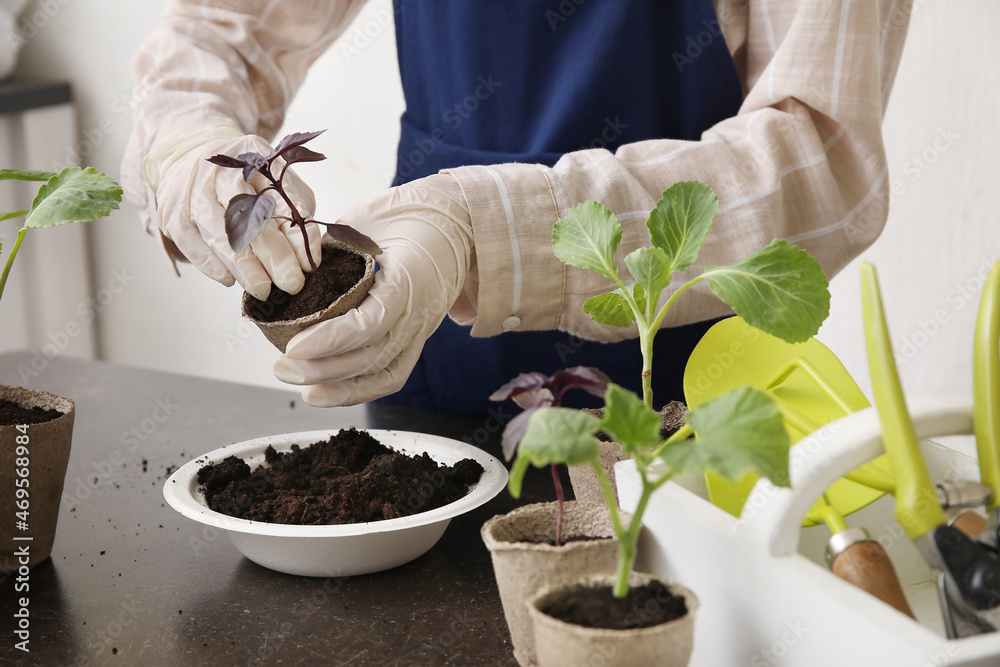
(297, 219)
(560, 499)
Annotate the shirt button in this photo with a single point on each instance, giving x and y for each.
(511, 322)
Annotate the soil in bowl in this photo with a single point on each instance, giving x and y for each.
(11, 413)
(351, 478)
(644, 607)
(339, 271)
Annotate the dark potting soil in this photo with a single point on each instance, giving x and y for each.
(339, 271)
(643, 607)
(351, 478)
(671, 416)
(11, 413)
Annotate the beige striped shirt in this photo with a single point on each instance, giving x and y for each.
(802, 160)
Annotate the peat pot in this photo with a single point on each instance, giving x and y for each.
(559, 643)
(39, 454)
(282, 331)
(523, 562)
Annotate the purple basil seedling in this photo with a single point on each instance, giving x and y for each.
(248, 214)
(533, 391)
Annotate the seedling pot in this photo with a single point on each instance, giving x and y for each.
(48, 446)
(560, 643)
(522, 568)
(767, 593)
(586, 487)
(282, 331)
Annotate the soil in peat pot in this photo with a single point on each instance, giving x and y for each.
(11, 413)
(644, 607)
(339, 271)
(351, 478)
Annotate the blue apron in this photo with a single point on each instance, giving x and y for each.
(495, 81)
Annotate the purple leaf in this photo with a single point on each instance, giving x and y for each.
(246, 217)
(514, 431)
(350, 237)
(293, 140)
(252, 163)
(522, 383)
(226, 161)
(534, 398)
(587, 378)
(302, 154)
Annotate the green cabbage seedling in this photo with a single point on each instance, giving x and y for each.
(779, 289)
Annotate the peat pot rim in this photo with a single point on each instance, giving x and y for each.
(572, 507)
(279, 332)
(36, 398)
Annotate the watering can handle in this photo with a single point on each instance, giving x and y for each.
(774, 515)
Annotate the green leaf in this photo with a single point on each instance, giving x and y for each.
(15, 214)
(588, 237)
(629, 421)
(737, 433)
(516, 478)
(612, 307)
(560, 435)
(18, 175)
(74, 195)
(681, 220)
(779, 289)
(651, 269)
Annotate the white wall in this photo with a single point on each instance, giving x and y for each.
(943, 226)
(943, 234)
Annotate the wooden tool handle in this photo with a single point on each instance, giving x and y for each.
(867, 566)
(971, 523)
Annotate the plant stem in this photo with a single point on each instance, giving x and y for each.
(629, 543)
(609, 497)
(655, 325)
(10, 258)
(559, 499)
(297, 219)
(646, 347)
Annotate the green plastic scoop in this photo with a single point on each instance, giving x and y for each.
(812, 389)
(986, 384)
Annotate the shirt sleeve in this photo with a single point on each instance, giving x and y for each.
(218, 61)
(803, 160)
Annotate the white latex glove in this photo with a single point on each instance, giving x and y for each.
(425, 234)
(191, 199)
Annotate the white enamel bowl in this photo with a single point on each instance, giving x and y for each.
(339, 550)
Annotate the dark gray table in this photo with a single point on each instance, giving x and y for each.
(131, 582)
